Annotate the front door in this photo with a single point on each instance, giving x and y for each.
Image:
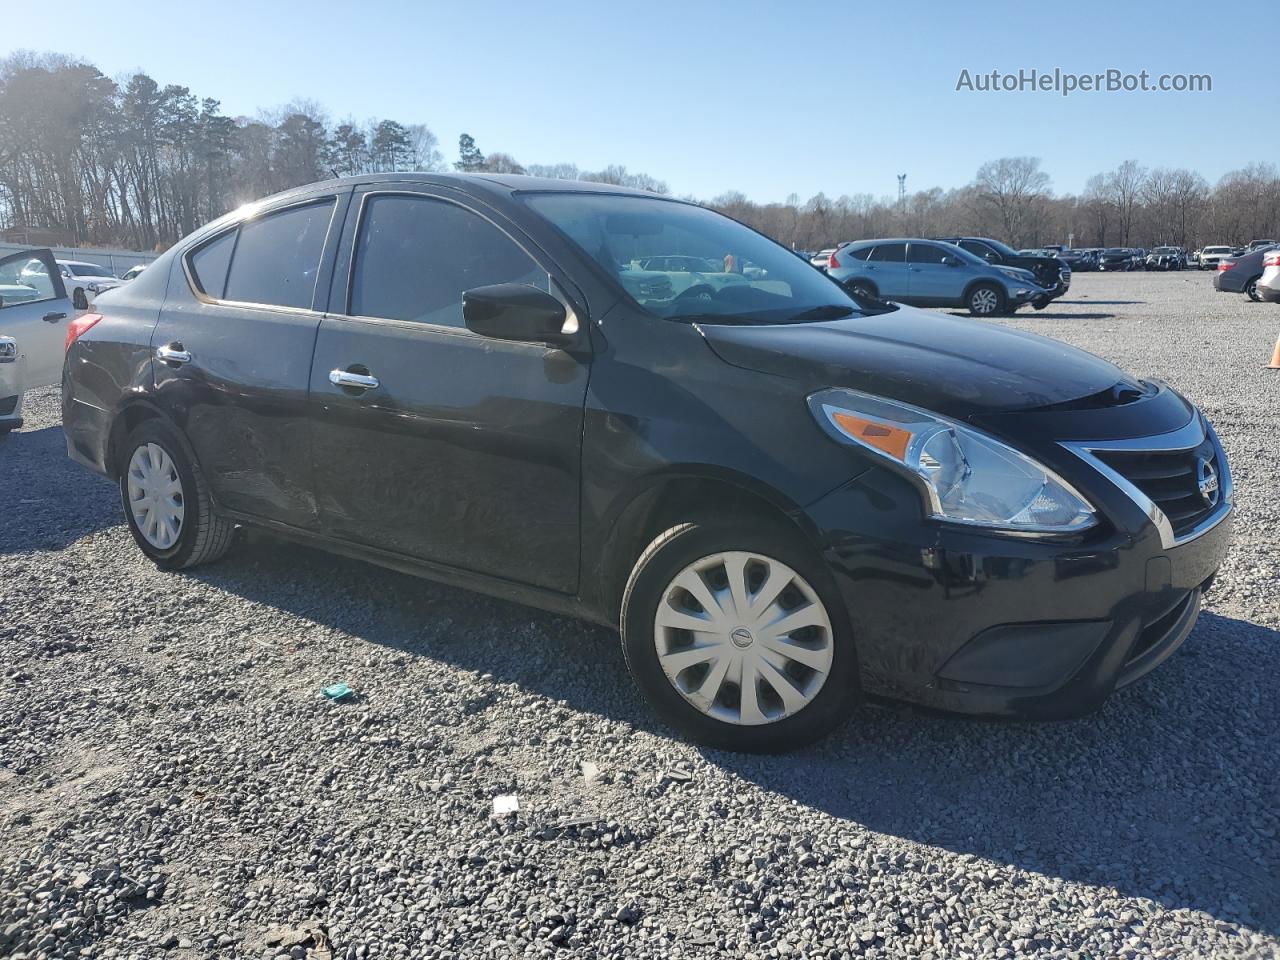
(232, 354)
(932, 280)
(34, 311)
(437, 443)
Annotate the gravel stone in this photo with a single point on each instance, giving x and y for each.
(173, 783)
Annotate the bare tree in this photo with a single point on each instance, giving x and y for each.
(1014, 187)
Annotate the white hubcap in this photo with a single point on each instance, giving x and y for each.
(743, 638)
(155, 495)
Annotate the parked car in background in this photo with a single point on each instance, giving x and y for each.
(1259, 244)
(1079, 261)
(1166, 258)
(783, 497)
(34, 316)
(1193, 259)
(1269, 283)
(132, 272)
(1241, 274)
(84, 281)
(1116, 259)
(930, 273)
(822, 259)
(1050, 273)
(1210, 257)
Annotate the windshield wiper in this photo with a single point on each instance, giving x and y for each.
(831, 311)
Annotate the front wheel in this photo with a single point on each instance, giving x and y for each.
(738, 637)
(166, 500)
(985, 300)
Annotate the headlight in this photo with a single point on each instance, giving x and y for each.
(966, 476)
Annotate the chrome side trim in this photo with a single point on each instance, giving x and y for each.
(1187, 437)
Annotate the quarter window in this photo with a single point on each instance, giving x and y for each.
(415, 257)
(277, 256)
(209, 264)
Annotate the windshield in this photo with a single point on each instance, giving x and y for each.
(89, 270)
(680, 261)
(1217, 249)
(1164, 250)
(1002, 248)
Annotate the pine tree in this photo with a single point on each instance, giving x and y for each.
(470, 159)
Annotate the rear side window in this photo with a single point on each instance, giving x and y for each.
(415, 256)
(889, 253)
(209, 264)
(277, 257)
(925, 253)
(860, 254)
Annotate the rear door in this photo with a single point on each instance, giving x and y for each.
(462, 450)
(887, 267)
(233, 353)
(34, 310)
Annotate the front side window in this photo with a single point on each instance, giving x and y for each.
(685, 262)
(415, 257)
(90, 270)
(277, 256)
(925, 253)
(24, 279)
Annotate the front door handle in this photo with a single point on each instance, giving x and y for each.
(173, 354)
(53, 317)
(345, 378)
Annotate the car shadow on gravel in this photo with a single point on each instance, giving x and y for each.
(1041, 315)
(1168, 793)
(58, 501)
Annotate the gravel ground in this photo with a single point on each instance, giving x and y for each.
(173, 784)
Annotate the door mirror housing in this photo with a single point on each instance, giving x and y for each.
(949, 261)
(514, 311)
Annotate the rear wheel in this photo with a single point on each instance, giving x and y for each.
(737, 635)
(1251, 288)
(166, 500)
(985, 300)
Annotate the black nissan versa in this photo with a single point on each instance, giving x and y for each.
(785, 498)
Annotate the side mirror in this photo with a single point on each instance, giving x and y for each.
(514, 311)
(950, 262)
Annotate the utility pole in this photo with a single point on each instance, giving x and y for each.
(902, 193)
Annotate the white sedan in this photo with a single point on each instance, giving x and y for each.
(84, 280)
(34, 313)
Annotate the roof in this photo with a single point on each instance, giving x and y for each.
(507, 182)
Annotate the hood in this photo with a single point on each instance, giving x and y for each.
(951, 365)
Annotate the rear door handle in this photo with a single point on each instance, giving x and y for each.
(174, 354)
(345, 378)
(53, 317)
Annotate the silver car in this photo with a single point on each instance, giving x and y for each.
(1269, 282)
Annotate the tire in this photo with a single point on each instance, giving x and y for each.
(153, 457)
(985, 300)
(1251, 289)
(688, 552)
(863, 289)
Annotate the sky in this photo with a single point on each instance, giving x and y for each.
(768, 99)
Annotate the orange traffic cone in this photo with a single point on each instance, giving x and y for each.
(1275, 357)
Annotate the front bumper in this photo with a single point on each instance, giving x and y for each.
(977, 623)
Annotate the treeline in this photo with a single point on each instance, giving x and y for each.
(87, 160)
(1011, 199)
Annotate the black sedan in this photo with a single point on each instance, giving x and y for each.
(1241, 274)
(783, 496)
(1116, 259)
